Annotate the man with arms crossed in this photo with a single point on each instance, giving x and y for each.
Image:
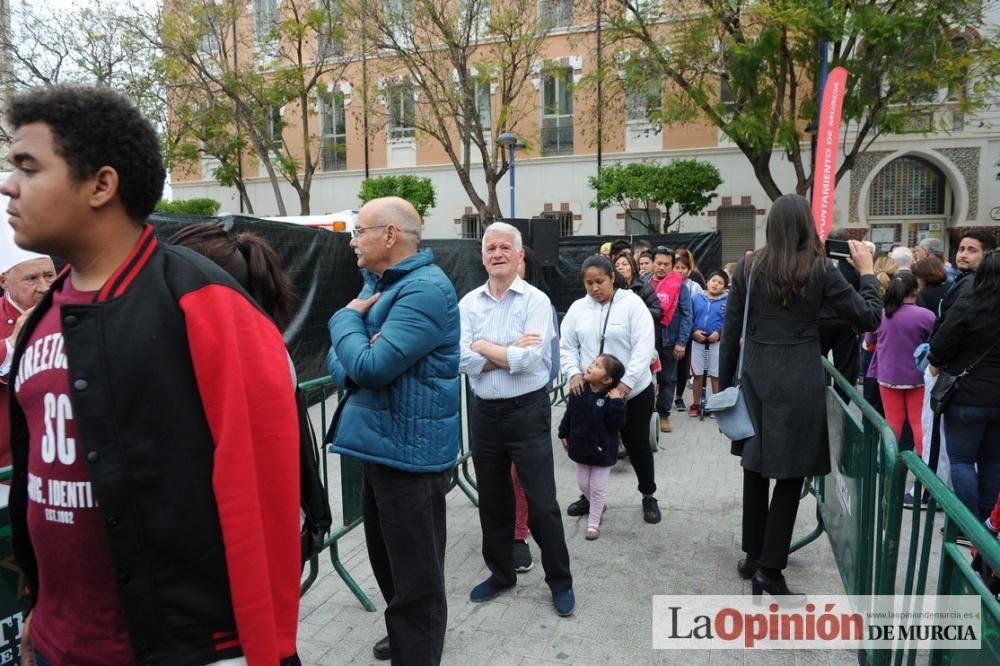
(506, 353)
(395, 351)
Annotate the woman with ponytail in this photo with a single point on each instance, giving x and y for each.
(250, 260)
(904, 326)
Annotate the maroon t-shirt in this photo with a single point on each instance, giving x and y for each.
(78, 617)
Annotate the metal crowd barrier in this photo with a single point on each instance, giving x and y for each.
(853, 502)
(860, 508)
(320, 391)
(955, 572)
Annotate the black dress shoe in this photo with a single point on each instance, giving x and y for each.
(746, 568)
(581, 507)
(381, 650)
(776, 587)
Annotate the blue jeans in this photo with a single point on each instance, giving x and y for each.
(974, 452)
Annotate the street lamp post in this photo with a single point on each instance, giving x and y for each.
(511, 143)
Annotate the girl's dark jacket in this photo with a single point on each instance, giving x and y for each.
(591, 424)
(783, 381)
(184, 404)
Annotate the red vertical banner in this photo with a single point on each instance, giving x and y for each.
(827, 138)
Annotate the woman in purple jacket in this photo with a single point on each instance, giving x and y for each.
(904, 326)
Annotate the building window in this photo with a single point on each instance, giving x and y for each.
(265, 19)
(399, 17)
(557, 112)
(334, 133)
(476, 16)
(737, 230)
(208, 43)
(472, 226)
(555, 13)
(331, 39)
(644, 101)
(482, 96)
(905, 187)
(274, 128)
(401, 113)
(565, 220)
(640, 221)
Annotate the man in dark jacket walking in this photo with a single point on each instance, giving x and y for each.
(395, 350)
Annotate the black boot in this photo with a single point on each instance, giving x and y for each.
(581, 507)
(746, 568)
(381, 650)
(775, 585)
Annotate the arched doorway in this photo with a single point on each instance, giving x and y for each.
(909, 200)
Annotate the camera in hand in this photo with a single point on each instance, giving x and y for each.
(838, 249)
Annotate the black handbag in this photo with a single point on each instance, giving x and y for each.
(946, 383)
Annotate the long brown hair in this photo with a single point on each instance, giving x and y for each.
(793, 253)
(250, 260)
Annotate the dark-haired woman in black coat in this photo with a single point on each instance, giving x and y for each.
(783, 381)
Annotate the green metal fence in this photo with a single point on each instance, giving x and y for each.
(853, 501)
(860, 508)
(955, 573)
(11, 588)
(321, 391)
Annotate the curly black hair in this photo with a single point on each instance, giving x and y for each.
(93, 127)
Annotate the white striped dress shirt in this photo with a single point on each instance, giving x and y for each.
(521, 309)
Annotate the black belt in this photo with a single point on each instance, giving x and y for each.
(516, 400)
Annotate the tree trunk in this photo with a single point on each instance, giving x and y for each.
(241, 187)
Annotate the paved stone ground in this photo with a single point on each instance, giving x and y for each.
(692, 551)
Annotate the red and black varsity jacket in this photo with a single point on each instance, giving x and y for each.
(184, 402)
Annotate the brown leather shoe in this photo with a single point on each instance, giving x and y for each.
(665, 425)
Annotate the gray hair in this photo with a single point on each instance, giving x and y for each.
(903, 257)
(933, 246)
(839, 233)
(506, 230)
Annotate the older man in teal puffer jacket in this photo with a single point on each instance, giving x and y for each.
(396, 351)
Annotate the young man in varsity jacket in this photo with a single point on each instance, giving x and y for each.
(154, 503)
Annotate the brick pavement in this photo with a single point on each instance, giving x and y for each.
(692, 551)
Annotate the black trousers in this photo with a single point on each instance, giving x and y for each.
(846, 347)
(405, 532)
(767, 531)
(519, 431)
(635, 437)
(684, 371)
(666, 381)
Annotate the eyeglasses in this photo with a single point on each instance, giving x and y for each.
(360, 230)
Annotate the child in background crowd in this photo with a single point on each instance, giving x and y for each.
(645, 265)
(709, 315)
(684, 266)
(589, 433)
(904, 326)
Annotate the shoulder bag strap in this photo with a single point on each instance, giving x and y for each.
(604, 329)
(743, 335)
(981, 357)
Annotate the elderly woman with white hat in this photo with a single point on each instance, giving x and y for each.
(24, 277)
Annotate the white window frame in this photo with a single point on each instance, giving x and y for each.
(332, 107)
(563, 120)
(399, 14)
(555, 14)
